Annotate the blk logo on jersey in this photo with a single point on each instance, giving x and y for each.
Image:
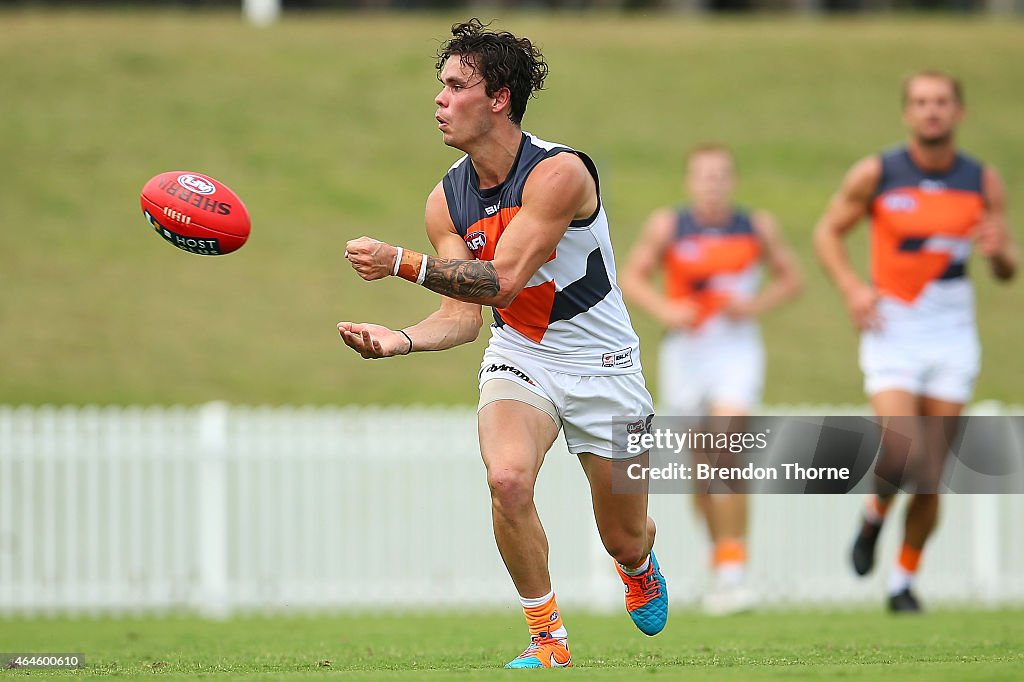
(476, 241)
(618, 358)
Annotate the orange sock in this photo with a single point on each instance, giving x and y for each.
(729, 551)
(909, 558)
(876, 508)
(543, 618)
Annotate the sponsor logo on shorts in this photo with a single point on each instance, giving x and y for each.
(514, 371)
(618, 358)
(642, 425)
(900, 203)
(196, 183)
(204, 247)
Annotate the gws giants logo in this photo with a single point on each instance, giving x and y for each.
(687, 249)
(900, 203)
(476, 241)
(642, 425)
(196, 183)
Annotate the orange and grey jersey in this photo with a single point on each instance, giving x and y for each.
(921, 231)
(570, 315)
(711, 265)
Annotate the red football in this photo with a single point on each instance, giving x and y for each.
(195, 213)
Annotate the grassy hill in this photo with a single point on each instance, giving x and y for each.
(323, 124)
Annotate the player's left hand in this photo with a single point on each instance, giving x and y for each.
(991, 237)
(371, 258)
(373, 341)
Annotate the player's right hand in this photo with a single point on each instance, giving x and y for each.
(373, 341)
(862, 303)
(371, 258)
(991, 237)
(679, 315)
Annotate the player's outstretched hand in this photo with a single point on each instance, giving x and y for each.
(372, 259)
(373, 340)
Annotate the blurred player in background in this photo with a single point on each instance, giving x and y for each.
(919, 351)
(518, 225)
(712, 360)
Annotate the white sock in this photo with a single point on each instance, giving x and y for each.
(731, 574)
(900, 579)
(539, 601)
(639, 569)
(560, 633)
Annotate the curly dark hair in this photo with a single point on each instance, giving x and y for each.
(501, 59)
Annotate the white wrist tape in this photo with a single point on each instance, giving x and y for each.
(423, 270)
(398, 261)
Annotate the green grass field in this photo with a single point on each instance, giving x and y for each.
(324, 125)
(945, 645)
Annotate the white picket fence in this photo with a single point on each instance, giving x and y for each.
(223, 509)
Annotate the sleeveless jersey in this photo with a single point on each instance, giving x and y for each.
(570, 316)
(712, 265)
(921, 232)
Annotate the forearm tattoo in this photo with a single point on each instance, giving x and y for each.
(461, 278)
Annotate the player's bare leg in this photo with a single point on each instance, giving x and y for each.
(514, 437)
(725, 515)
(628, 536)
(891, 467)
(923, 510)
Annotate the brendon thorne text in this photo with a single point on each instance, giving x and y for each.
(815, 454)
(791, 471)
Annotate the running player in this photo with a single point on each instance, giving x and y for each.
(712, 360)
(919, 348)
(518, 225)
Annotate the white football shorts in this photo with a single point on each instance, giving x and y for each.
(585, 405)
(943, 367)
(698, 372)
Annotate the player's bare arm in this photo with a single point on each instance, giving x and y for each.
(644, 261)
(453, 324)
(992, 235)
(559, 190)
(786, 277)
(845, 210)
(463, 278)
